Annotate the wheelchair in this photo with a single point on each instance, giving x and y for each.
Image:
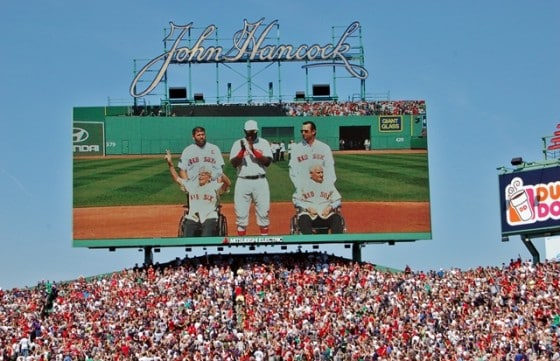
(221, 224)
(294, 227)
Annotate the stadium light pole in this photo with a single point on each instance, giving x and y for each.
(531, 247)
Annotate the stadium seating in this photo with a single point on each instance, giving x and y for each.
(293, 306)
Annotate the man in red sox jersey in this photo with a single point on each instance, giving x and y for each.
(200, 154)
(317, 201)
(250, 156)
(203, 195)
(310, 151)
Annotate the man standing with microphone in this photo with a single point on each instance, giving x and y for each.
(251, 156)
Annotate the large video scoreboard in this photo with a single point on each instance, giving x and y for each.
(123, 195)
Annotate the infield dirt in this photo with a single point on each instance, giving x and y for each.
(162, 220)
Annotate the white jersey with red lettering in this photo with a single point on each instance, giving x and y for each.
(305, 155)
(203, 199)
(318, 196)
(251, 183)
(208, 156)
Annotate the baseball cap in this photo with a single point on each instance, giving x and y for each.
(251, 125)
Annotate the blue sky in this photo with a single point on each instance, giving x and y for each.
(488, 70)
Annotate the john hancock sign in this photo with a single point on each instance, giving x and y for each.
(248, 45)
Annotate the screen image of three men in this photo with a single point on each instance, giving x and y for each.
(311, 171)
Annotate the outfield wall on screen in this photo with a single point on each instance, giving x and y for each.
(126, 135)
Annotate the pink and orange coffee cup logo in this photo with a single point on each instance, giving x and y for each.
(532, 203)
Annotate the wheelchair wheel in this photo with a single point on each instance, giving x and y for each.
(182, 231)
(294, 229)
(222, 225)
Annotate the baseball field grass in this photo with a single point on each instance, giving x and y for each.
(389, 177)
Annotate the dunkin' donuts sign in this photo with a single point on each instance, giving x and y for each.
(531, 200)
(248, 45)
(529, 204)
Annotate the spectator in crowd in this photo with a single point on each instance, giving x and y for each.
(290, 148)
(282, 150)
(293, 306)
(275, 148)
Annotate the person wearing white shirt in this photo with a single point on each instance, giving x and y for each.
(250, 156)
(310, 151)
(203, 197)
(317, 202)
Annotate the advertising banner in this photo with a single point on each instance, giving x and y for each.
(530, 201)
(88, 139)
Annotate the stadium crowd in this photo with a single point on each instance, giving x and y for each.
(302, 108)
(385, 107)
(298, 306)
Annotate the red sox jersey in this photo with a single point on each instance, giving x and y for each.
(304, 155)
(194, 157)
(316, 195)
(202, 199)
(251, 189)
(249, 166)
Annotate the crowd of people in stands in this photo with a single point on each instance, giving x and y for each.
(385, 107)
(298, 306)
(312, 108)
